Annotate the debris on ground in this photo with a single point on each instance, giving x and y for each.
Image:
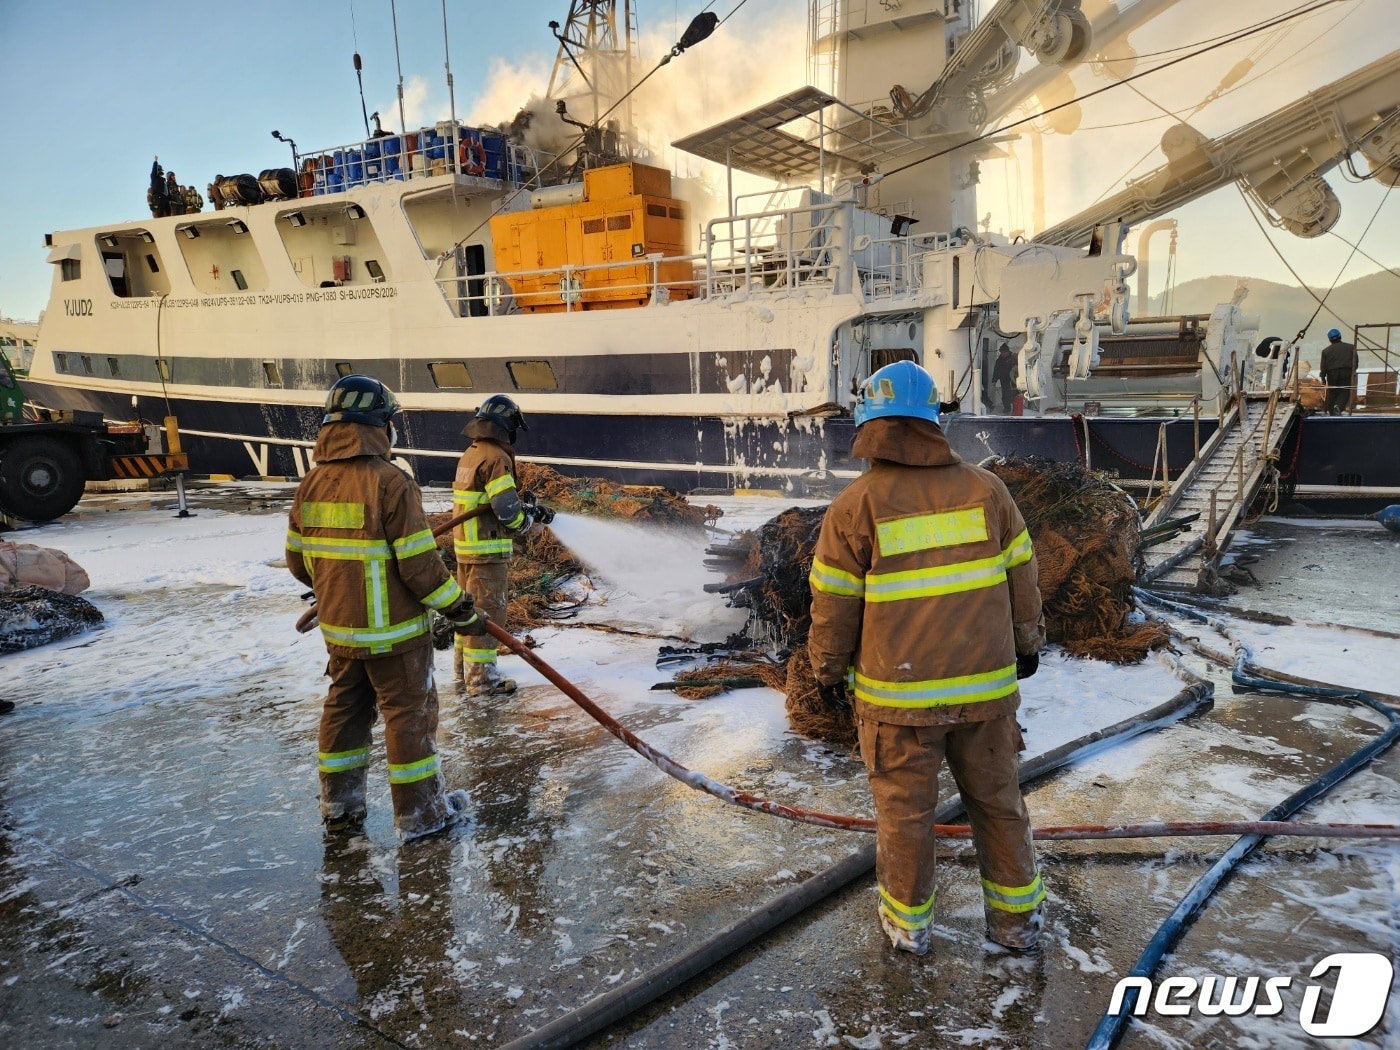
(34, 616)
(611, 499)
(28, 565)
(1085, 530)
(713, 679)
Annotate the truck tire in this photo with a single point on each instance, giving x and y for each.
(41, 478)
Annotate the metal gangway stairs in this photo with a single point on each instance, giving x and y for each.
(1186, 531)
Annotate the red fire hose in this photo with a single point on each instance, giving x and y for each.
(747, 800)
(734, 796)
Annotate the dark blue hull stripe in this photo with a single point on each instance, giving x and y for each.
(686, 452)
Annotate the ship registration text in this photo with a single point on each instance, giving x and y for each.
(83, 307)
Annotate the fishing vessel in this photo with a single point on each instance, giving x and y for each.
(648, 342)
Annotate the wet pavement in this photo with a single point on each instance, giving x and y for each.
(164, 882)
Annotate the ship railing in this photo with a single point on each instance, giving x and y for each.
(773, 251)
(574, 288)
(892, 267)
(444, 149)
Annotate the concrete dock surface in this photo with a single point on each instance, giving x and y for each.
(164, 880)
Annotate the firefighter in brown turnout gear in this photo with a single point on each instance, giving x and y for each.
(357, 536)
(925, 607)
(483, 545)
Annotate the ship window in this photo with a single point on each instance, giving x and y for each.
(678, 213)
(151, 262)
(163, 369)
(71, 269)
(450, 375)
(376, 271)
(532, 375)
(659, 210)
(343, 369)
(60, 362)
(239, 280)
(114, 366)
(273, 373)
(594, 225)
(86, 361)
(619, 222)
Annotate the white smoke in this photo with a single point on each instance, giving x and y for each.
(712, 81)
(507, 88)
(736, 69)
(419, 108)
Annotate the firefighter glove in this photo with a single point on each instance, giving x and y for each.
(834, 697)
(463, 616)
(1027, 665)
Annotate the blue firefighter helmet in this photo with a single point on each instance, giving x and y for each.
(900, 389)
(360, 399)
(1333, 334)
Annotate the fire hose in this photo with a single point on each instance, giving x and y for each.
(620, 1002)
(724, 792)
(1245, 675)
(747, 800)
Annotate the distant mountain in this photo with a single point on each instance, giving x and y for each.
(1283, 309)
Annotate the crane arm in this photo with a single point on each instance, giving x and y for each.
(1279, 160)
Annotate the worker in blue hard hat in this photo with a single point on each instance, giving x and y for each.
(1339, 364)
(925, 614)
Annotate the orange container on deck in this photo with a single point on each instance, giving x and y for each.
(627, 214)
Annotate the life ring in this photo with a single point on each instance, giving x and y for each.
(473, 156)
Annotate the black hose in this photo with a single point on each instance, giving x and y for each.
(611, 1007)
(1110, 1026)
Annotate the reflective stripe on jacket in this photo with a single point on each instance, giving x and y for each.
(358, 537)
(486, 474)
(923, 583)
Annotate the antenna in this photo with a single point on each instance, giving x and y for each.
(451, 99)
(361, 79)
(403, 124)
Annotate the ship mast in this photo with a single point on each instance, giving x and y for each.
(592, 64)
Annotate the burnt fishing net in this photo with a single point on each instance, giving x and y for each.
(32, 616)
(1086, 536)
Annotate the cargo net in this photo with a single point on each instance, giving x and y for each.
(542, 566)
(33, 616)
(1085, 533)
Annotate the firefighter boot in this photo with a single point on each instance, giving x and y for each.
(457, 802)
(1018, 931)
(347, 825)
(917, 941)
(484, 680)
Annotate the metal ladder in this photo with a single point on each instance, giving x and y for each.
(1186, 531)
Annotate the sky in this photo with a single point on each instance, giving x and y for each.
(96, 90)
